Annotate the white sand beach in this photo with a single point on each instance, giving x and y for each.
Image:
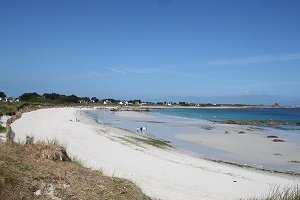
(161, 173)
(248, 143)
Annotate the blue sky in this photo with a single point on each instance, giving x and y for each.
(209, 51)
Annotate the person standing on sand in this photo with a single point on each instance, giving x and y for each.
(141, 129)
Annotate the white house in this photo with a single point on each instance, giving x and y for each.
(106, 102)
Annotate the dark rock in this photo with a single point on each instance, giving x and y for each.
(278, 140)
(272, 136)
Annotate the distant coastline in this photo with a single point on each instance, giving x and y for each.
(219, 107)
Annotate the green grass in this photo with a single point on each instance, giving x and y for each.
(10, 108)
(2, 129)
(289, 193)
(7, 108)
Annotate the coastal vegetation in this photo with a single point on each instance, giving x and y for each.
(289, 193)
(8, 108)
(51, 98)
(45, 171)
(11, 108)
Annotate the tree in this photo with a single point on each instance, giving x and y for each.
(182, 103)
(135, 101)
(72, 98)
(276, 104)
(29, 96)
(94, 99)
(2, 95)
(52, 96)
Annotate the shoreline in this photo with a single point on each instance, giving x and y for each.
(255, 122)
(230, 143)
(218, 107)
(193, 154)
(160, 173)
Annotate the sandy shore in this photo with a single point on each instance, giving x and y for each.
(249, 144)
(163, 174)
(243, 144)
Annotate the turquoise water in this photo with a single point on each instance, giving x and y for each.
(276, 114)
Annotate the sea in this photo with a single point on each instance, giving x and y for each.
(166, 124)
(290, 115)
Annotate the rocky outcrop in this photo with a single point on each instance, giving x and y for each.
(260, 122)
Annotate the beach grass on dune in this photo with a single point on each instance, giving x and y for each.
(53, 141)
(289, 193)
(44, 171)
(8, 108)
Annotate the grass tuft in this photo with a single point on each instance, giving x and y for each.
(53, 142)
(77, 161)
(289, 193)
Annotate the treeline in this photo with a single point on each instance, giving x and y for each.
(60, 98)
(54, 98)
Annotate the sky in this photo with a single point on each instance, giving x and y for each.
(154, 50)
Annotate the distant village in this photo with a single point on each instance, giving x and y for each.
(58, 98)
(62, 99)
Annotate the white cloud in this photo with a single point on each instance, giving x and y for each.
(115, 70)
(93, 73)
(141, 70)
(254, 59)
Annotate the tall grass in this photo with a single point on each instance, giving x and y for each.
(289, 193)
(53, 142)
